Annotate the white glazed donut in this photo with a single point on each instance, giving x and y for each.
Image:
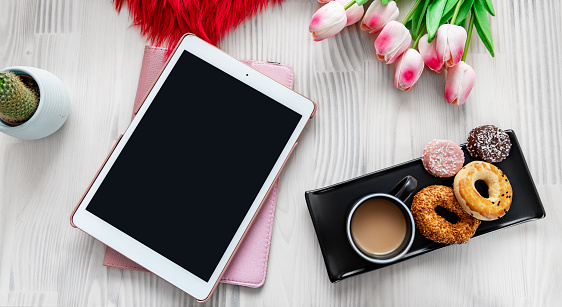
(499, 190)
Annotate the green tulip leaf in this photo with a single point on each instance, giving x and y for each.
(489, 7)
(463, 11)
(384, 1)
(433, 17)
(450, 7)
(461, 16)
(483, 25)
(417, 17)
(461, 23)
(408, 24)
(447, 16)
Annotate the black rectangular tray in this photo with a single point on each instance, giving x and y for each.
(328, 207)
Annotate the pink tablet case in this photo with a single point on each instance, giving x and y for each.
(248, 266)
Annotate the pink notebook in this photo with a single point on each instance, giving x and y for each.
(248, 266)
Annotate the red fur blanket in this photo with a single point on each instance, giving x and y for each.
(164, 22)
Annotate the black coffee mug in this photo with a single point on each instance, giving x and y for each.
(397, 196)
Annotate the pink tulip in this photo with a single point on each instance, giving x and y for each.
(409, 68)
(429, 54)
(460, 80)
(393, 40)
(378, 15)
(354, 13)
(450, 43)
(328, 21)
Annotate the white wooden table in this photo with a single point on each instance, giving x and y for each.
(363, 124)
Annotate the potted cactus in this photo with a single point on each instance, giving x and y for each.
(18, 101)
(33, 102)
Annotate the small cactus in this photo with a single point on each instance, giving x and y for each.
(17, 101)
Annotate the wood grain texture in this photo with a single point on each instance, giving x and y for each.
(363, 124)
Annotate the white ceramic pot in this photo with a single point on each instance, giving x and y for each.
(52, 110)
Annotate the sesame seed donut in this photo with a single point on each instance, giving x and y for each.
(499, 190)
(435, 227)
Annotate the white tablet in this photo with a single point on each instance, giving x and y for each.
(181, 187)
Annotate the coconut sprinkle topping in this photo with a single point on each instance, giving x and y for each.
(442, 158)
(488, 142)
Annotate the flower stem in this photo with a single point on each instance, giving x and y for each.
(456, 12)
(422, 32)
(411, 12)
(352, 2)
(468, 35)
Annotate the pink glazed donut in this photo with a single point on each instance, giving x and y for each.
(442, 158)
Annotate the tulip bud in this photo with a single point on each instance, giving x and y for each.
(460, 80)
(393, 40)
(428, 52)
(450, 43)
(378, 15)
(354, 13)
(409, 68)
(328, 21)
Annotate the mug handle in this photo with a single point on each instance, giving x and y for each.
(405, 188)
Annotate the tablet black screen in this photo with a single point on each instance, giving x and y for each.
(195, 163)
